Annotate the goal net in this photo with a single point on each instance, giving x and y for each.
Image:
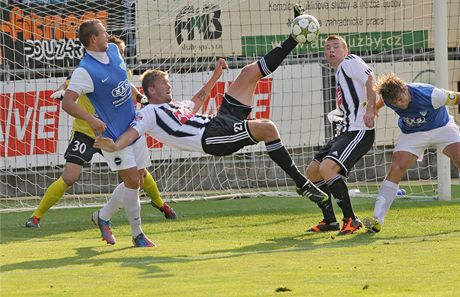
(39, 48)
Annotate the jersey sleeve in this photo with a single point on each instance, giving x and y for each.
(441, 97)
(357, 69)
(145, 119)
(81, 82)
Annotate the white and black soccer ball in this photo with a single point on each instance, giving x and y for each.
(305, 28)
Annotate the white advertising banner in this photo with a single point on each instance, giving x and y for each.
(182, 28)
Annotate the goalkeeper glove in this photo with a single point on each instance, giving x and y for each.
(59, 95)
(335, 116)
(142, 99)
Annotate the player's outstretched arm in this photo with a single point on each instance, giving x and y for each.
(205, 91)
(107, 144)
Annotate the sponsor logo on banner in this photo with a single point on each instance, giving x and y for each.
(374, 41)
(38, 34)
(28, 123)
(205, 21)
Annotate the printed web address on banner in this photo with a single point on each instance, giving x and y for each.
(259, 45)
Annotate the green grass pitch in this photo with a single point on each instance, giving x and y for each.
(248, 247)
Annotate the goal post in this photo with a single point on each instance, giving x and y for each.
(39, 47)
(442, 79)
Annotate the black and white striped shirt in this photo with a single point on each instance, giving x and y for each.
(351, 76)
(173, 124)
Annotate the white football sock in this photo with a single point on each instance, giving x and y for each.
(133, 210)
(114, 204)
(387, 194)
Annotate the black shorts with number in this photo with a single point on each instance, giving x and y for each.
(228, 131)
(80, 149)
(347, 148)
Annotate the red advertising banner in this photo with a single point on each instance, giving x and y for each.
(262, 96)
(28, 124)
(34, 131)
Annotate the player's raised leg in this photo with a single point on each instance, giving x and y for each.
(245, 83)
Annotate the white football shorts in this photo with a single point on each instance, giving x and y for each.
(417, 142)
(135, 155)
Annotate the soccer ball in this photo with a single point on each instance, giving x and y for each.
(305, 28)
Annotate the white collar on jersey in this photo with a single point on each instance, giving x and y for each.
(100, 56)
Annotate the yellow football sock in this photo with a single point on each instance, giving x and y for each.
(151, 188)
(52, 195)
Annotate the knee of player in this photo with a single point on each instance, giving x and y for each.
(328, 168)
(263, 130)
(456, 160)
(312, 171)
(396, 169)
(270, 130)
(132, 182)
(457, 163)
(250, 72)
(69, 180)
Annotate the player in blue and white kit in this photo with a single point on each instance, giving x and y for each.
(424, 121)
(102, 76)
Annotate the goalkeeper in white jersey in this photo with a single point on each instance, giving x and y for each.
(424, 121)
(176, 123)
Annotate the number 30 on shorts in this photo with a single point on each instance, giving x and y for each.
(79, 146)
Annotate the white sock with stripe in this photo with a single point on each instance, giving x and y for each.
(387, 194)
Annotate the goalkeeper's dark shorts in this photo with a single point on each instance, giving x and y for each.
(80, 149)
(228, 131)
(347, 149)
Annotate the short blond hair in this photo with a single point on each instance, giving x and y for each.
(390, 87)
(339, 38)
(117, 40)
(149, 77)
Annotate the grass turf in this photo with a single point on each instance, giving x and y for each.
(248, 247)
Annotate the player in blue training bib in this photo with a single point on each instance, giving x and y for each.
(423, 110)
(111, 97)
(424, 120)
(102, 76)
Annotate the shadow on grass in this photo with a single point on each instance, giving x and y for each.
(312, 241)
(90, 256)
(75, 220)
(58, 221)
(150, 264)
